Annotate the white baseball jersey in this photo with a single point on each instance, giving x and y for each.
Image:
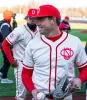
(19, 38)
(52, 60)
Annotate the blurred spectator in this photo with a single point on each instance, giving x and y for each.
(64, 27)
(66, 21)
(26, 18)
(14, 23)
(5, 29)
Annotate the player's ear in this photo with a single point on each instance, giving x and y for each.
(53, 20)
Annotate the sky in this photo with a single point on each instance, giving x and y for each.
(56, 3)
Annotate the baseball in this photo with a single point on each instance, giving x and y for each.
(41, 96)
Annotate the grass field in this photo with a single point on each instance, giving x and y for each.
(82, 36)
(9, 89)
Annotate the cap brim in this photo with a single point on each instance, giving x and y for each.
(42, 16)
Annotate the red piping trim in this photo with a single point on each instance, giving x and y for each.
(8, 40)
(56, 60)
(82, 64)
(50, 63)
(17, 82)
(27, 66)
(36, 32)
(28, 31)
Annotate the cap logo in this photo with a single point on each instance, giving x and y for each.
(33, 11)
(38, 10)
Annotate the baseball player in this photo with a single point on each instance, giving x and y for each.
(19, 38)
(66, 21)
(52, 56)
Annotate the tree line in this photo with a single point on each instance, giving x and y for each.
(72, 12)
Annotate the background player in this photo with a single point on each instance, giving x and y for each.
(64, 27)
(14, 22)
(19, 38)
(66, 21)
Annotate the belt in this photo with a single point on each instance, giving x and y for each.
(49, 96)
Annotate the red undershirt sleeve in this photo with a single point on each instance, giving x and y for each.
(7, 51)
(27, 79)
(83, 74)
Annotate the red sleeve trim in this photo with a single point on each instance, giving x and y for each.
(83, 74)
(27, 79)
(7, 51)
(8, 40)
(28, 67)
(82, 65)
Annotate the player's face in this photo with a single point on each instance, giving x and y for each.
(67, 20)
(44, 25)
(31, 20)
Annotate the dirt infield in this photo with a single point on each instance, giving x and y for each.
(78, 96)
(83, 31)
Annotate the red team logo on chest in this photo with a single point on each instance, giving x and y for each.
(67, 53)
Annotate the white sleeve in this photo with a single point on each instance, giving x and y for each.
(28, 58)
(14, 36)
(81, 58)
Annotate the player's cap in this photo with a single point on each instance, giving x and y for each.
(32, 13)
(48, 10)
(66, 17)
(63, 26)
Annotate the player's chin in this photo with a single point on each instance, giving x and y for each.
(41, 31)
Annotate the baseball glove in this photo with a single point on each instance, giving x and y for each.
(62, 89)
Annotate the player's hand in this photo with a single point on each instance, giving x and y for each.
(75, 84)
(34, 93)
(14, 64)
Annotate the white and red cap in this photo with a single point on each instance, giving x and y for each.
(48, 10)
(32, 13)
